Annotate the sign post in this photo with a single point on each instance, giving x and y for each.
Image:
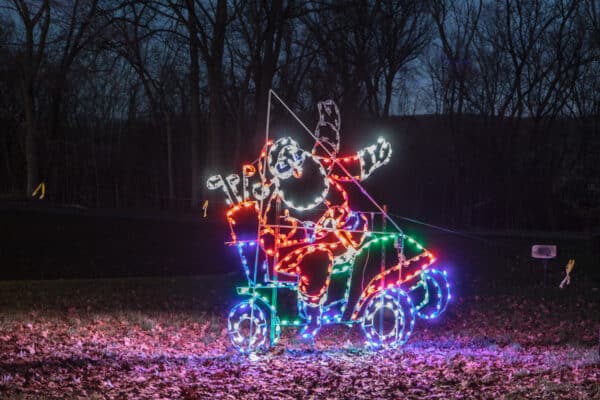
(544, 252)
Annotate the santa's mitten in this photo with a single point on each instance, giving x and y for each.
(374, 156)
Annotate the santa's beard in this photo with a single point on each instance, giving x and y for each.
(306, 191)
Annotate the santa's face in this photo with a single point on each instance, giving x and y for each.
(289, 162)
(300, 178)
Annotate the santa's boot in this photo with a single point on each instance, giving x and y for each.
(313, 320)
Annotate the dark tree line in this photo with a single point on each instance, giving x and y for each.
(131, 103)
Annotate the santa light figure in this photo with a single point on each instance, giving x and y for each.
(292, 220)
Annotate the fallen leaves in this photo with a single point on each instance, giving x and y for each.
(491, 347)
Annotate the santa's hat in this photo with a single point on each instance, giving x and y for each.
(327, 131)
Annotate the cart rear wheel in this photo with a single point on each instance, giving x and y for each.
(249, 326)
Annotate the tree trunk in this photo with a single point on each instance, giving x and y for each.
(194, 111)
(215, 83)
(266, 69)
(389, 84)
(31, 156)
(213, 149)
(7, 160)
(55, 108)
(33, 54)
(169, 132)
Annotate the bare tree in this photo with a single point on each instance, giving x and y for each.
(457, 24)
(343, 37)
(205, 24)
(10, 108)
(257, 54)
(402, 31)
(77, 24)
(35, 20)
(154, 57)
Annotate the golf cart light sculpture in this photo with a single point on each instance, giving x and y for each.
(298, 238)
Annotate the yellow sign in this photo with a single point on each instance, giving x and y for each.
(41, 189)
(569, 267)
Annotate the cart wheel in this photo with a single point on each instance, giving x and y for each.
(389, 318)
(249, 326)
(437, 291)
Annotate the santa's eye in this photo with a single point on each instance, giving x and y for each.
(283, 165)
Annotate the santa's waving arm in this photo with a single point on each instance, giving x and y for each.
(360, 165)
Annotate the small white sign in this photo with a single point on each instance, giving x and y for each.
(543, 251)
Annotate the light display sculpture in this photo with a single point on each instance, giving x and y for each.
(302, 246)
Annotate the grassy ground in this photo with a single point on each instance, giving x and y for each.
(166, 338)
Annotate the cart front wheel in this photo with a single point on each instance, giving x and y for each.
(388, 319)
